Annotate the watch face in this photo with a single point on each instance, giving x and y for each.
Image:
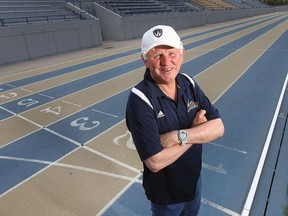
(183, 135)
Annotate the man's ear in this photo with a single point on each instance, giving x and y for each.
(182, 54)
(143, 57)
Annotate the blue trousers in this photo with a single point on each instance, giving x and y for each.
(180, 209)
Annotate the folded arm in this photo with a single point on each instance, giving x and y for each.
(201, 131)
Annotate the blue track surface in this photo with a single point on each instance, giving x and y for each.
(229, 163)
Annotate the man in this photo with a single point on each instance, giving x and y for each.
(169, 118)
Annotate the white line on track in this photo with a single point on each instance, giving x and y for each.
(105, 113)
(85, 169)
(254, 185)
(118, 195)
(71, 103)
(46, 96)
(244, 71)
(11, 85)
(220, 208)
(26, 90)
(132, 181)
(229, 148)
(35, 174)
(112, 159)
(28, 120)
(9, 111)
(207, 202)
(83, 145)
(63, 137)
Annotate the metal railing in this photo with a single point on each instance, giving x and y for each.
(7, 21)
(83, 6)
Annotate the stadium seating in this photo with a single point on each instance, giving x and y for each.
(19, 12)
(179, 6)
(127, 7)
(138, 7)
(246, 4)
(214, 4)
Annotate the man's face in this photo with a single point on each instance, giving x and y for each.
(164, 63)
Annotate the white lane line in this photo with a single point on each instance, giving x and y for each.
(47, 129)
(9, 111)
(118, 195)
(44, 95)
(30, 121)
(247, 68)
(254, 185)
(26, 90)
(220, 208)
(111, 159)
(105, 113)
(207, 202)
(229, 148)
(32, 176)
(63, 137)
(65, 101)
(11, 85)
(84, 169)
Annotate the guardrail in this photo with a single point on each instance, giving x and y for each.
(83, 6)
(7, 21)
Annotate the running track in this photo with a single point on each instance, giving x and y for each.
(65, 149)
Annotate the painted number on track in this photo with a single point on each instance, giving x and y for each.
(52, 110)
(8, 95)
(27, 102)
(84, 122)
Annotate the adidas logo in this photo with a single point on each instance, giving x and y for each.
(160, 114)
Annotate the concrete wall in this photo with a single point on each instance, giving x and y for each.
(226, 15)
(135, 26)
(111, 24)
(32, 41)
(282, 8)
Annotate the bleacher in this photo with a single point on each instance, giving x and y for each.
(214, 4)
(179, 6)
(136, 7)
(246, 4)
(140, 7)
(19, 12)
(229, 4)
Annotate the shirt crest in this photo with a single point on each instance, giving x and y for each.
(191, 105)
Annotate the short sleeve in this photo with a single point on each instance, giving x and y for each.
(141, 122)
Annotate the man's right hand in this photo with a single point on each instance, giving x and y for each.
(199, 118)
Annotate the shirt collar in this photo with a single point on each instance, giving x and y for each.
(154, 89)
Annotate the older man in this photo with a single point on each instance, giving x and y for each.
(169, 118)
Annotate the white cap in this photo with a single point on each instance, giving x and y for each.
(160, 35)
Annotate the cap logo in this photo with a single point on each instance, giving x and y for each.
(158, 32)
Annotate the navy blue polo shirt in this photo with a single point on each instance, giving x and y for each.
(149, 113)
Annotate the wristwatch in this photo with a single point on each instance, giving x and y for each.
(183, 137)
